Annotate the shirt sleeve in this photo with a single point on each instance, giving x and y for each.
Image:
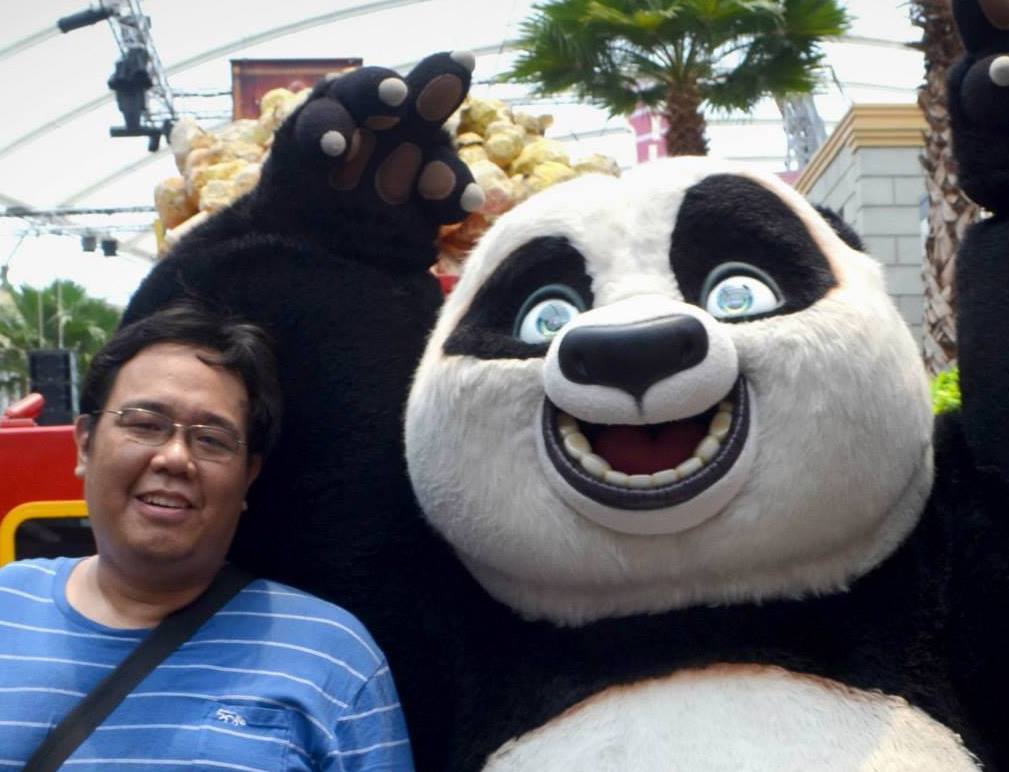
(371, 734)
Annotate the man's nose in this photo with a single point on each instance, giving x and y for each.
(175, 455)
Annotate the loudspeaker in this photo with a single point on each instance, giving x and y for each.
(53, 374)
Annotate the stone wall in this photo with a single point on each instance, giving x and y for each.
(868, 171)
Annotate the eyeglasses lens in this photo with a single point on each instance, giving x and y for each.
(212, 443)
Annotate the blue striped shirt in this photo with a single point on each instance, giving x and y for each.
(276, 680)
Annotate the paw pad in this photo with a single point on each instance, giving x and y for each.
(395, 177)
(436, 182)
(381, 122)
(439, 98)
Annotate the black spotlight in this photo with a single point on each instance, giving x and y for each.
(109, 246)
(84, 18)
(89, 242)
(130, 81)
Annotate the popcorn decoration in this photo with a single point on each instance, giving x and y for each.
(507, 152)
(511, 160)
(216, 166)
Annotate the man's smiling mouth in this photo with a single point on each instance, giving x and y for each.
(168, 501)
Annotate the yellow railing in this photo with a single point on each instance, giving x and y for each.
(34, 510)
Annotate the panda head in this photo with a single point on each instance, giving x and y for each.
(673, 388)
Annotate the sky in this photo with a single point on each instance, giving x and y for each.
(54, 153)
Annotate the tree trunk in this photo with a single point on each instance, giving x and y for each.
(686, 132)
(950, 211)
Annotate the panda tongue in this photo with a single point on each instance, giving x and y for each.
(648, 449)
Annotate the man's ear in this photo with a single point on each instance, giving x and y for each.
(254, 467)
(82, 433)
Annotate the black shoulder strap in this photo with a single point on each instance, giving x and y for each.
(174, 630)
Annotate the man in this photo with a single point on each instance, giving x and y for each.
(177, 413)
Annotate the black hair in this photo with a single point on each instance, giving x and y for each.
(242, 348)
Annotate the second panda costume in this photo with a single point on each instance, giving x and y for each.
(688, 509)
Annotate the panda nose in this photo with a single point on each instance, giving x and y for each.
(631, 357)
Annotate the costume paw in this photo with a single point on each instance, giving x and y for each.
(983, 25)
(377, 139)
(372, 97)
(984, 77)
(984, 92)
(979, 100)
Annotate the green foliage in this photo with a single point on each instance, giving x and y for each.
(32, 319)
(619, 53)
(946, 391)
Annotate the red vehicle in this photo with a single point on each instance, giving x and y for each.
(42, 513)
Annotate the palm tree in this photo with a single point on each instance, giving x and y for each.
(676, 55)
(14, 337)
(950, 211)
(61, 315)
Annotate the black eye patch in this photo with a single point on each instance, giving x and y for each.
(487, 329)
(727, 218)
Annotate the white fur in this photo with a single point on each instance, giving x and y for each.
(842, 461)
(741, 718)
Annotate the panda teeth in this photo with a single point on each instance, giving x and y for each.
(579, 449)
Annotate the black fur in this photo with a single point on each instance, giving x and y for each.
(841, 228)
(726, 218)
(979, 110)
(486, 330)
(342, 284)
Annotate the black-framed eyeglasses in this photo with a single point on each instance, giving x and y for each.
(149, 427)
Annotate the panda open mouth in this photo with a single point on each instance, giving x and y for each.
(648, 466)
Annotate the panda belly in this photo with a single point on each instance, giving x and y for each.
(737, 718)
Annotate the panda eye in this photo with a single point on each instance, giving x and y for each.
(740, 296)
(544, 320)
(735, 291)
(546, 312)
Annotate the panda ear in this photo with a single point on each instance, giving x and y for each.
(841, 228)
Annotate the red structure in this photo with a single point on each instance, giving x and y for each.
(650, 133)
(37, 461)
(37, 465)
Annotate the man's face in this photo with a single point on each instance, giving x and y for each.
(161, 508)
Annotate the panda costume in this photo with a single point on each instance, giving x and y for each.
(670, 494)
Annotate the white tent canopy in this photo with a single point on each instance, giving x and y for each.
(56, 152)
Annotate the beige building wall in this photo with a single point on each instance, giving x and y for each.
(868, 171)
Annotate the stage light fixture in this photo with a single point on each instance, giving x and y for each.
(84, 18)
(109, 246)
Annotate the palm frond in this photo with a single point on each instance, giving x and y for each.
(620, 53)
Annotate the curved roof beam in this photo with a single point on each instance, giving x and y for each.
(129, 247)
(497, 48)
(11, 201)
(375, 7)
(27, 42)
(211, 54)
(261, 37)
(122, 171)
